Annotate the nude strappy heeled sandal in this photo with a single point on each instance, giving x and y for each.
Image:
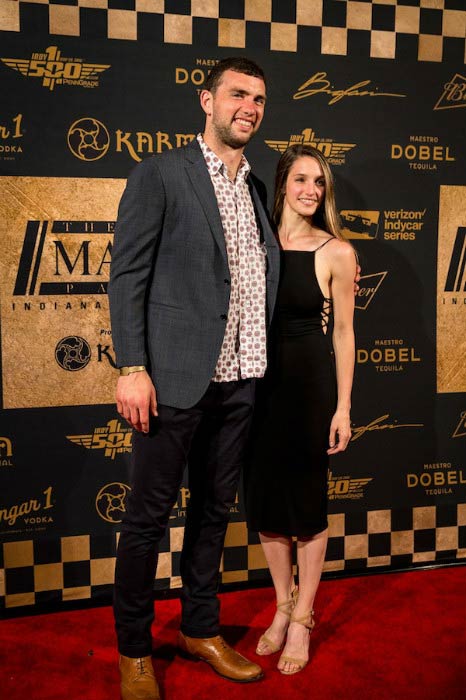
(306, 621)
(286, 607)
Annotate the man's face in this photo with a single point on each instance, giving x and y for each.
(236, 108)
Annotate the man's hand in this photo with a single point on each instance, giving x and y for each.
(356, 279)
(136, 400)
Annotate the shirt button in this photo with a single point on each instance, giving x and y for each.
(223, 317)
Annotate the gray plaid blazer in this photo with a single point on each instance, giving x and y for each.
(169, 281)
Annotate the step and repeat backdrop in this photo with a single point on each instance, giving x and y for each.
(89, 88)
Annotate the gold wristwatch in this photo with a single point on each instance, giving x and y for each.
(124, 371)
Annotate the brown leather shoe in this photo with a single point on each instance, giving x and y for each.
(224, 660)
(138, 679)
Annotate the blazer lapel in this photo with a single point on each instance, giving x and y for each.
(202, 186)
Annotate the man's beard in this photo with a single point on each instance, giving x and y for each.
(226, 136)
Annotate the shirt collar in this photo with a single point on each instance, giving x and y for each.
(216, 165)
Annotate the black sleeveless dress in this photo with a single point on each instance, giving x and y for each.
(286, 470)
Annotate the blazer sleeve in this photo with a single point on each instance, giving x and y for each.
(137, 232)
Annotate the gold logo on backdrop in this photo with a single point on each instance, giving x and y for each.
(460, 430)
(318, 84)
(112, 438)
(55, 69)
(387, 355)
(88, 139)
(437, 478)
(345, 487)
(110, 501)
(30, 512)
(10, 132)
(378, 424)
(196, 76)
(334, 152)
(403, 224)
(73, 353)
(360, 224)
(454, 93)
(6, 452)
(368, 287)
(422, 152)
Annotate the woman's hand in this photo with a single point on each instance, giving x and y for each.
(340, 432)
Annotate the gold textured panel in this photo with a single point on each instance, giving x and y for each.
(402, 542)
(384, 2)
(234, 576)
(64, 19)
(446, 538)
(48, 577)
(424, 517)
(308, 13)
(430, 48)
(256, 557)
(178, 29)
(94, 4)
(454, 23)
(122, 24)
(102, 571)
(334, 41)
(17, 554)
(2, 582)
(407, 20)
(155, 6)
(232, 32)
(451, 318)
(237, 535)
(76, 548)
(461, 510)
(336, 565)
(283, 37)
(9, 16)
(419, 557)
(356, 546)
(18, 599)
(379, 561)
(383, 44)
(164, 565)
(35, 2)
(77, 593)
(176, 539)
(205, 8)
(336, 525)
(258, 10)
(35, 319)
(176, 582)
(433, 4)
(358, 15)
(379, 521)
(461, 553)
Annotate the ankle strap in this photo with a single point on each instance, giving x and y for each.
(306, 620)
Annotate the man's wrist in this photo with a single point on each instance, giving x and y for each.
(124, 371)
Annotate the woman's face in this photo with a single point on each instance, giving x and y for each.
(305, 187)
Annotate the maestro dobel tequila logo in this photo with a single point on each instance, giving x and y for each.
(73, 353)
(88, 139)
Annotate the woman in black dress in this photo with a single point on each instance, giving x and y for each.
(302, 412)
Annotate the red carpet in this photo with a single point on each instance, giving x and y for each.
(393, 636)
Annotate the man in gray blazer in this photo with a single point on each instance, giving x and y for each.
(193, 281)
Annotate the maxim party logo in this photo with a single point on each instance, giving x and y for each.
(454, 93)
(113, 438)
(65, 257)
(318, 84)
(334, 152)
(55, 69)
(456, 276)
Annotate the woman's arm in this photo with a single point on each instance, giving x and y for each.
(343, 270)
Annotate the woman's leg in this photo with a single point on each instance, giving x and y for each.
(311, 555)
(277, 550)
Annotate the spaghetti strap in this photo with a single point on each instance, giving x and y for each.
(324, 243)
